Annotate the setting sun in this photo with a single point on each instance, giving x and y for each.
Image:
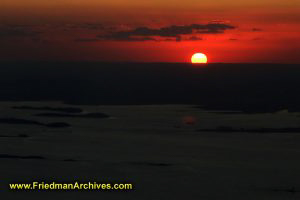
(199, 58)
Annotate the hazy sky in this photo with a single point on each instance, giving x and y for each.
(150, 30)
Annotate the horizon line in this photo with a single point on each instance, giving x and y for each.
(139, 62)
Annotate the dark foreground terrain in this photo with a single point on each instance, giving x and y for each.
(217, 132)
(166, 151)
(244, 87)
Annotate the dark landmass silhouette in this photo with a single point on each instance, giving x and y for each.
(33, 122)
(153, 164)
(86, 115)
(70, 160)
(58, 125)
(249, 88)
(31, 157)
(226, 112)
(253, 130)
(8, 156)
(14, 136)
(47, 108)
(20, 121)
(291, 189)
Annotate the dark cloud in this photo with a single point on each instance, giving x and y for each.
(194, 38)
(138, 39)
(120, 39)
(174, 31)
(178, 33)
(178, 38)
(17, 31)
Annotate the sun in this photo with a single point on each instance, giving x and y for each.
(199, 58)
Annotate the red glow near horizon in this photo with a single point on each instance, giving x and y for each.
(72, 33)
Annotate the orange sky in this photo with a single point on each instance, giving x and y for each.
(265, 30)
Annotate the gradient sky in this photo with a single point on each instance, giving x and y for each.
(150, 31)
